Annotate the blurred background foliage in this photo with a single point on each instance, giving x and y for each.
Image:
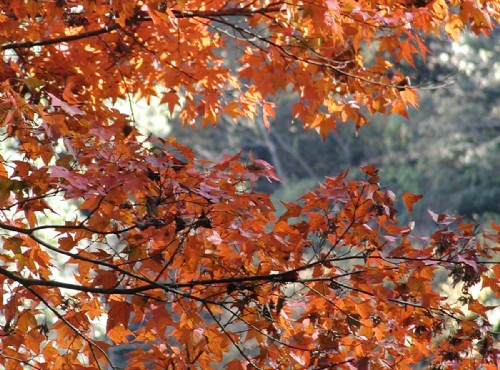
(448, 150)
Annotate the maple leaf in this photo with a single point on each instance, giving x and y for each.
(268, 111)
(70, 109)
(410, 200)
(181, 259)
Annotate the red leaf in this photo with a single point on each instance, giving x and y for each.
(70, 109)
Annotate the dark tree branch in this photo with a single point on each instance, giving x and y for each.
(232, 12)
(59, 40)
(26, 282)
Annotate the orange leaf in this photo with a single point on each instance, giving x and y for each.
(410, 199)
(119, 334)
(268, 111)
(3, 171)
(409, 96)
(399, 107)
(363, 309)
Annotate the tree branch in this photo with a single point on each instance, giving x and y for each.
(302, 163)
(231, 12)
(274, 153)
(59, 40)
(82, 288)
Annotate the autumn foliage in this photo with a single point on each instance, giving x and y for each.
(180, 258)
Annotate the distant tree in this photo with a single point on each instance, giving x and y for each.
(451, 146)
